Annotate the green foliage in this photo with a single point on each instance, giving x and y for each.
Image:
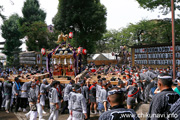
(32, 12)
(144, 32)
(150, 32)
(36, 35)
(11, 33)
(33, 26)
(101, 45)
(86, 19)
(113, 39)
(154, 31)
(163, 5)
(52, 38)
(110, 42)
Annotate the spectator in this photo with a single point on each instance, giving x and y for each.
(117, 110)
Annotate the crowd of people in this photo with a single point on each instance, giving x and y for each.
(84, 96)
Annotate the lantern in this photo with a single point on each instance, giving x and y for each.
(84, 52)
(80, 49)
(43, 51)
(71, 35)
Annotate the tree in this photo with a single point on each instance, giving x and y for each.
(11, 34)
(33, 25)
(143, 32)
(113, 39)
(110, 42)
(36, 35)
(101, 45)
(87, 19)
(31, 12)
(148, 32)
(151, 32)
(52, 38)
(163, 5)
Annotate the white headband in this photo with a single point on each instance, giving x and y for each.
(178, 81)
(164, 77)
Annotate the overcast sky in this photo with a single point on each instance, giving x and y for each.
(119, 12)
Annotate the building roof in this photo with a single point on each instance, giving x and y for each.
(103, 56)
(95, 56)
(153, 45)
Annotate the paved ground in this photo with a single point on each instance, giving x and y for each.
(141, 110)
(21, 116)
(5, 116)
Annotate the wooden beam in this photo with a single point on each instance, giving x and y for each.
(63, 80)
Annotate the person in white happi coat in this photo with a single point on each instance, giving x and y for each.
(24, 95)
(16, 90)
(33, 99)
(54, 101)
(67, 90)
(77, 104)
(7, 93)
(43, 89)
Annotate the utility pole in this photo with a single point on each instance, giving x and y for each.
(173, 40)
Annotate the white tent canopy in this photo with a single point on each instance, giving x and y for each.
(102, 56)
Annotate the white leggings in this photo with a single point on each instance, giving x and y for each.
(54, 115)
(39, 109)
(33, 115)
(7, 104)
